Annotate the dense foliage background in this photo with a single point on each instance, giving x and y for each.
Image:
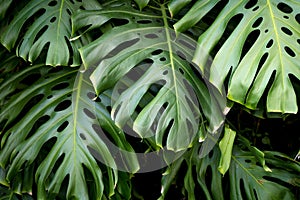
(65, 74)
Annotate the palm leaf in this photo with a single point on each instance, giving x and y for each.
(48, 119)
(260, 55)
(46, 24)
(148, 46)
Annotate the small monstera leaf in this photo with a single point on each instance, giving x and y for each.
(148, 57)
(48, 118)
(247, 179)
(250, 181)
(260, 53)
(46, 26)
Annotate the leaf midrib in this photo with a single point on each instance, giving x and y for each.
(164, 15)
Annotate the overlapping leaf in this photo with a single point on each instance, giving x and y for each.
(247, 179)
(45, 25)
(148, 41)
(262, 51)
(49, 110)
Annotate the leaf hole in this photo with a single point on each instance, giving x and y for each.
(155, 87)
(284, 8)
(286, 31)
(119, 22)
(53, 19)
(108, 108)
(267, 30)
(250, 40)
(248, 161)
(91, 95)
(70, 50)
(270, 43)
(135, 73)
(181, 55)
(63, 126)
(191, 46)
(63, 105)
(98, 99)
(157, 52)
(41, 32)
(144, 21)
(162, 59)
(297, 17)
(52, 3)
(181, 70)
(243, 191)
(30, 79)
(49, 97)
(151, 36)
(276, 180)
(60, 86)
(58, 163)
(31, 103)
(257, 22)
(69, 11)
(82, 136)
(55, 69)
(255, 194)
(286, 17)
(289, 51)
(231, 26)
(208, 175)
(122, 46)
(255, 8)
(167, 131)
(261, 62)
(298, 40)
(89, 113)
(165, 72)
(38, 123)
(250, 4)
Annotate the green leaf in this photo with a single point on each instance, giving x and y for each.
(45, 24)
(259, 155)
(249, 180)
(148, 46)
(176, 5)
(4, 6)
(246, 179)
(260, 55)
(226, 145)
(8, 194)
(142, 3)
(50, 121)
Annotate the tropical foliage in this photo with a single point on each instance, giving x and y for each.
(89, 88)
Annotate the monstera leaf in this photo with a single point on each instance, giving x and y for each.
(50, 118)
(45, 25)
(260, 52)
(247, 179)
(148, 57)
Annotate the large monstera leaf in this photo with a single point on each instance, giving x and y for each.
(150, 58)
(260, 53)
(45, 25)
(49, 129)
